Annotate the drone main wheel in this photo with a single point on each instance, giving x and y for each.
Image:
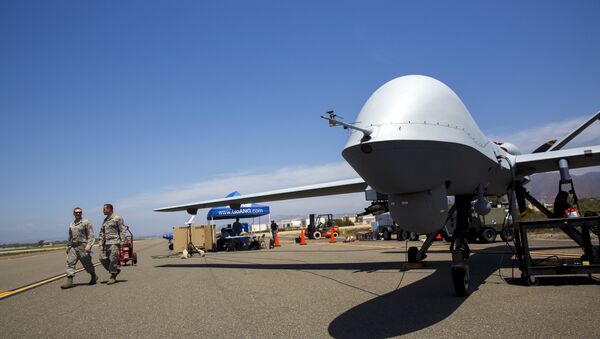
(507, 234)
(530, 280)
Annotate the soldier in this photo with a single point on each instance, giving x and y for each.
(111, 238)
(237, 227)
(79, 246)
(274, 228)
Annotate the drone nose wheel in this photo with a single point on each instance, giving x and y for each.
(460, 279)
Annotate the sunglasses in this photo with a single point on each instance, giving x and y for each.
(77, 212)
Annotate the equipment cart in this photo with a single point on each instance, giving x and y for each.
(127, 253)
(580, 230)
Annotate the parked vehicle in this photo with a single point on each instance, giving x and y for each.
(487, 227)
(387, 227)
(322, 226)
(484, 228)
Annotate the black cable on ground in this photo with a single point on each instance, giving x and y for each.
(405, 260)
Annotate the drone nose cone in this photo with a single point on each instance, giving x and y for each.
(414, 99)
(407, 107)
(417, 124)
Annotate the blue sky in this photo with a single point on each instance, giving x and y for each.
(151, 103)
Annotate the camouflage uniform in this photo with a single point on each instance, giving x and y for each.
(81, 234)
(111, 237)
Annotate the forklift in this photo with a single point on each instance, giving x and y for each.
(322, 226)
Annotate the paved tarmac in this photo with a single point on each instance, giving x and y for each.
(357, 290)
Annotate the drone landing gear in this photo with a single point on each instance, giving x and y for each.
(460, 268)
(417, 255)
(460, 247)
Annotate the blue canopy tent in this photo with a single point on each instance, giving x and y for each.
(245, 211)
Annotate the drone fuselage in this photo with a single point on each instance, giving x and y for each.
(424, 146)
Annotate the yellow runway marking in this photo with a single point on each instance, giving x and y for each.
(9, 293)
(558, 254)
(6, 294)
(413, 266)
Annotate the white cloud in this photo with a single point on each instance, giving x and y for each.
(244, 183)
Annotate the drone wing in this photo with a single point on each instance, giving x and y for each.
(528, 164)
(545, 158)
(329, 188)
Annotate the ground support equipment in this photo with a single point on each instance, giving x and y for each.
(588, 263)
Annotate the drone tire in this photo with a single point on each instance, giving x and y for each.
(412, 254)
(507, 234)
(460, 280)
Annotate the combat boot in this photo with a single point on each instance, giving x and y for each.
(93, 280)
(112, 280)
(68, 284)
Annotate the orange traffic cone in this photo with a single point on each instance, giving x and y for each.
(302, 241)
(332, 239)
(277, 239)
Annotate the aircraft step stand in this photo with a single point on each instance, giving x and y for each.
(588, 263)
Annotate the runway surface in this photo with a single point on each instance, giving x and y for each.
(320, 290)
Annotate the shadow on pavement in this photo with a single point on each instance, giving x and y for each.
(411, 308)
(356, 267)
(416, 306)
(118, 281)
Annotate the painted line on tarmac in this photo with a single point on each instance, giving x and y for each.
(10, 253)
(558, 254)
(9, 293)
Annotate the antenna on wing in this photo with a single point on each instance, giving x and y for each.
(334, 122)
